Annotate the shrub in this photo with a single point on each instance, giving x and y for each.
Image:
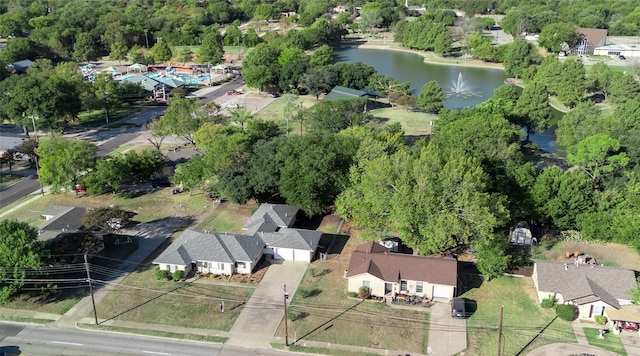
(308, 293)
(296, 315)
(312, 272)
(565, 312)
(177, 275)
(161, 274)
(600, 319)
(352, 294)
(363, 292)
(548, 302)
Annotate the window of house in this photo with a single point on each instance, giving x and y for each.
(241, 264)
(419, 288)
(403, 285)
(219, 265)
(367, 284)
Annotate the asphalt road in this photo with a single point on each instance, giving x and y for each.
(223, 89)
(50, 341)
(18, 190)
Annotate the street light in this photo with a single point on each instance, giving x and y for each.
(146, 38)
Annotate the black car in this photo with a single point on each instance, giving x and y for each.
(458, 309)
(622, 57)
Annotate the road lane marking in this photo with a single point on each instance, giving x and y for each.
(66, 343)
(155, 353)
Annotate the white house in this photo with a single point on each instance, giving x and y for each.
(211, 252)
(387, 274)
(591, 288)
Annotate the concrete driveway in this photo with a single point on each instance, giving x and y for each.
(447, 336)
(261, 316)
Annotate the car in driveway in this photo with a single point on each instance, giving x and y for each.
(629, 326)
(232, 106)
(458, 308)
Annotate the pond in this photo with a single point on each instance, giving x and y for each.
(464, 86)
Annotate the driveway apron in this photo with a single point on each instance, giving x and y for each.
(261, 316)
(447, 336)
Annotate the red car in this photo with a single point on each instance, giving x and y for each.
(80, 188)
(233, 92)
(629, 326)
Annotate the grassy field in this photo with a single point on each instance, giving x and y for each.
(275, 110)
(524, 320)
(329, 316)
(413, 123)
(142, 298)
(149, 206)
(610, 342)
(59, 303)
(97, 118)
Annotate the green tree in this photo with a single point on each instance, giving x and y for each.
(597, 155)
(192, 174)
(104, 178)
(314, 171)
(241, 117)
(572, 83)
(385, 85)
(322, 56)
(582, 121)
(20, 251)
(118, 51)
(161, 52)
(492, 256)
(431, 97)
(83, 48)
(533, 108)
(518, 57)
(554, 35)
(185, 116)
(260, 67)
(211, 50)
(623, 89)
(264, 169)
(62, 161)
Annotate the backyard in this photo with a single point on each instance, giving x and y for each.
(609, 254)
(526, 325)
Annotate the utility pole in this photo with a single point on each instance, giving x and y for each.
(105, 97)
(93, 301)
(500, 332)
(286, 331)
(146, 37)
(35, 133)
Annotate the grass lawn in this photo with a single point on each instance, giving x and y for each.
(523, 318)
(8, 180)
(275, 110)
(142, 298)
(228, 217)
(96, 118)
(158, 333)
(320, 351)
(610, 342)
(59, 303)
(330, 316)
(413, 123)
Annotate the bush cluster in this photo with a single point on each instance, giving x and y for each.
(161, 274)
(565, 312)
(548, 302)
(177, 275)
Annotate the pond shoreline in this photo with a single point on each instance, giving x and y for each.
(428, 56)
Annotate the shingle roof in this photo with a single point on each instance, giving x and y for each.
(595, 36)
(392, 267)
(298, 239)
(193, 246)
(270, 217)
(585, 283)
(64, 218)
(342, 93)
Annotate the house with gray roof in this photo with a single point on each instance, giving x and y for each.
(591, 288)
(271, 218)
(211, 252)
(291, 244)
(59, 219)
(267, 232)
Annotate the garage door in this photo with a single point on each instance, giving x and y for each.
(441, 291)
(283, 254)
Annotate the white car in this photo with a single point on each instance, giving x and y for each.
(232, 106)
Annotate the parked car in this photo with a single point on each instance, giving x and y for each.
(233, 92)
(80, 188)
(458, 309)
(622, 57)
(232, 106)
(629, 326)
